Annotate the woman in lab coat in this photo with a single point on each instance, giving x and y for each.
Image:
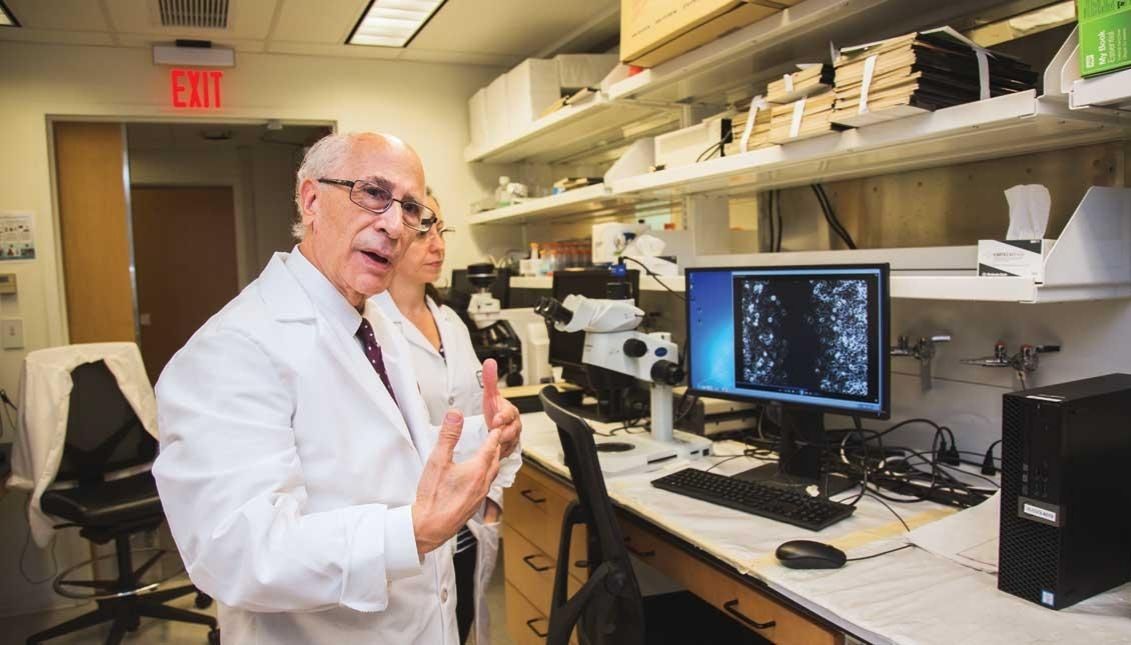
(450, 377)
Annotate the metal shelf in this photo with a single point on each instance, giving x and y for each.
(1111, 90)
(588, 201)
(999, 127)
(802, 33)
(1091, 260)
(579, 132)
(649, 103)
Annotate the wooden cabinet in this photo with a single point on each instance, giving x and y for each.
(532, 524)
(745, 604)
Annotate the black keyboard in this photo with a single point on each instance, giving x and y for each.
(773, 502)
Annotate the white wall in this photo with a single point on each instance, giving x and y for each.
(423, 103)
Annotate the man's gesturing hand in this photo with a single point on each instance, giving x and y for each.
(449, 493)
(499, 413)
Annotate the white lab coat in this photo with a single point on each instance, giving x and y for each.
(287, 473)
(45, 384)
(455, 380)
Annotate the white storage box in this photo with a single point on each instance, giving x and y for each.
(576, 71)
(532, 87)
(1024, 258)
(692, 144)
(497, 114)
(477, 118)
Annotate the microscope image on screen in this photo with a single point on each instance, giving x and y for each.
(803, 335)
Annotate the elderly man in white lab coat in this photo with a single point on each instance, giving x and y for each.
(301, 479)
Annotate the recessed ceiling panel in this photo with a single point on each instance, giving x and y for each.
(514, 27)
(317, 22)
(58, 15)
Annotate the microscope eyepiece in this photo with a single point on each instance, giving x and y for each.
(553, 311)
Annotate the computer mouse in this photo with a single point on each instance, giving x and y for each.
(807, 554)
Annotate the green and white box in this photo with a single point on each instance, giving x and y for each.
(1105, 35)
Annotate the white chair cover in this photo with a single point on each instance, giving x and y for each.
(45, 386)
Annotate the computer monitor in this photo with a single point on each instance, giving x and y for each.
(810, 339)
(566, 349)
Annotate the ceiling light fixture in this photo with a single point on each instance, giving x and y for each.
(393, 23)
(7, 18)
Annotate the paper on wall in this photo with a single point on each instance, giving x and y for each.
(17, 237)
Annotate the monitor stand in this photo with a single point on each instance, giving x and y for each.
(799, 457)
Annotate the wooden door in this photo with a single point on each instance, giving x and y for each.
(94, 229)
(185, 250)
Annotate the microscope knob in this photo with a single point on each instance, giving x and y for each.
(666, 373)
(635, 347)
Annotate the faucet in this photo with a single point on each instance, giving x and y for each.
(923, 351)
(1024, 362)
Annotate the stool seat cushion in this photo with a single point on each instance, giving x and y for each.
(110, 502)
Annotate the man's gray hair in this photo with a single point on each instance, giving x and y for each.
(321, 160)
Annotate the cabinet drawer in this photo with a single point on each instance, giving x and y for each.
(531, 570)
(535, 506)
(739, 601)
(526, 625)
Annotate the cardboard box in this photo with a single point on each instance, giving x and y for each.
(1105, 35)
(576, 71)
(477, 118)
(654, 31)
(497, 115)
(1023, 258)
(532, 86)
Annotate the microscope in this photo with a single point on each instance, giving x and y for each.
(492, 336)
(614, 348)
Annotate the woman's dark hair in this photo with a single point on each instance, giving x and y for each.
(430, 291)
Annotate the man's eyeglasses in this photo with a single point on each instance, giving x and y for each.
(377, 200)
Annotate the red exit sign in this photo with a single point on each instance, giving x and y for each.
(196, 88)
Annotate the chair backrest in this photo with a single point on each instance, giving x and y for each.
(614, 617)
(103, 432)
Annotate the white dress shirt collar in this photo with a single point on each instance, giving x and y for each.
(322, 292)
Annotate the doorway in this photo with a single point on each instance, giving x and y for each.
(185, 258)
(186, 215)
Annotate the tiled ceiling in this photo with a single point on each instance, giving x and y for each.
(471, 32)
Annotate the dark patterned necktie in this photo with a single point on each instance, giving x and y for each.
(373, 353)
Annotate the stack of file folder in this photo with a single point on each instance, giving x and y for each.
(809, 116)
(919, 72)
(759, 131)
(802, 103)
(811, 79)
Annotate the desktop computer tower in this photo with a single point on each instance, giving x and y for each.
(1065, 491)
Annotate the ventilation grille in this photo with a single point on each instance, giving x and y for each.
(1028, 551)
(198, 14)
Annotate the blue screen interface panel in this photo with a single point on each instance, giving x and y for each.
(813, 337)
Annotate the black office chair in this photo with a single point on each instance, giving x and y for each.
(104, 435)
(609, 608)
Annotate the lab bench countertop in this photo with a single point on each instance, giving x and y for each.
(909, 596)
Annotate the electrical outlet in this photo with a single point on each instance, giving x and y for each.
(12, 333)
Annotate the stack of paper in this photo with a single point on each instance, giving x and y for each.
(806, 117)
(811, 79)
(919, 72)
